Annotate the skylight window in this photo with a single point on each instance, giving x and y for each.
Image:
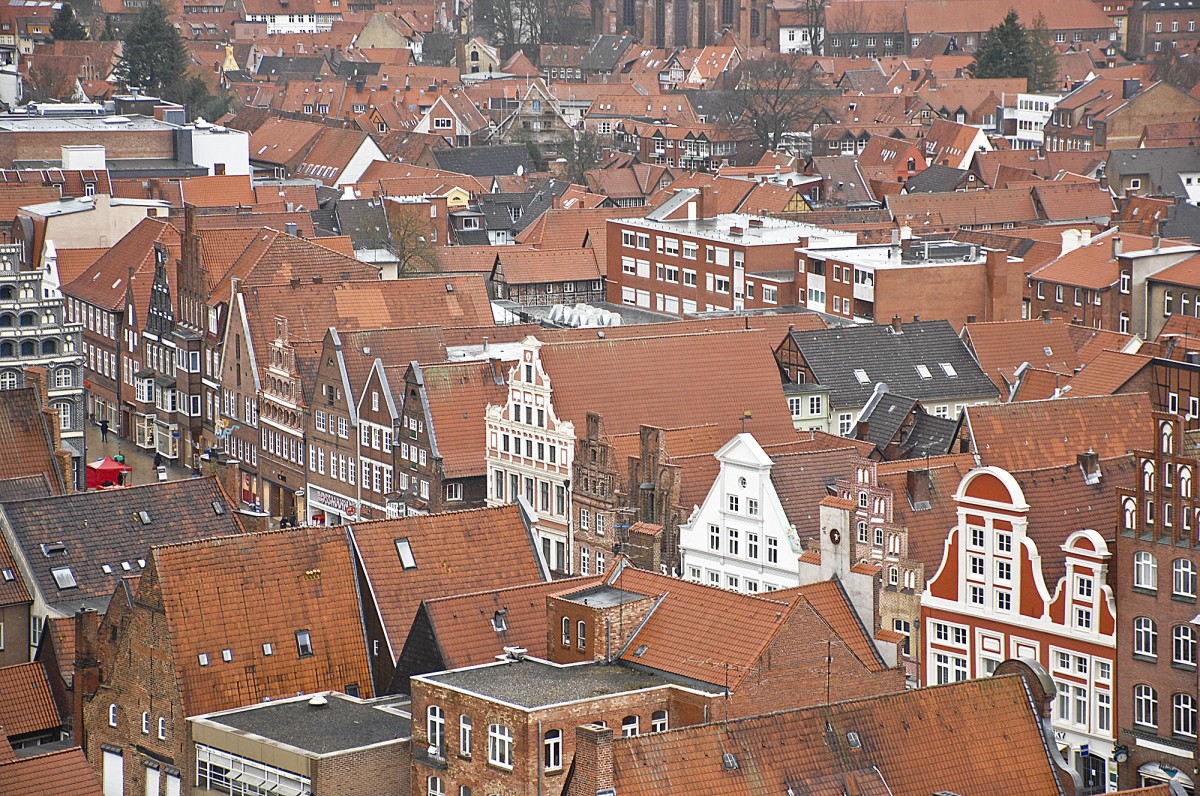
(203, 658)
(268, 650)
(143, 517)
(52, 548)
(861, 375)
(923, 372)
(106, 569)
(1048, 351)
(304, 643)
(125, 565)
(9, 577)
(64, 577)
(227, 655)
(949, 370)
(218, 507)
(404, 550)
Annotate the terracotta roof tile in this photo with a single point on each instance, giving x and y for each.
(217, 191)
(910, 743)
(1090, 341)
(27, 440)
(105, 282)
(1106, 374)
(1037, 385)
(928, 516)
(458, 393)
(1073, 201)
(1065, 428)
(61, 773)
(463, 624)
(1092, 266)
(298, 579)
(650, 380)
(1007, 205)
(531, 267)
(1185, 273)
(1002, 347)
(280, 140)
(394, 348)
(73, 262)
(26, 704)
(445, 549)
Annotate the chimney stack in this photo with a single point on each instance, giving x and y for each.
(897, 325)
(1046, 316)
(1116, 246)
(593, 761)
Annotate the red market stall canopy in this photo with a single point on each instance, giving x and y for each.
(105, 472)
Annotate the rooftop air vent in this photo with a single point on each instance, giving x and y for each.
(319, 701)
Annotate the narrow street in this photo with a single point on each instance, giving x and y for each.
(141, 462)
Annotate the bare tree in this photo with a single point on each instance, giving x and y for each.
(583, 150)
(411, 238)
(772, 97)
(49, 82)
(847, 22)
(813, 16)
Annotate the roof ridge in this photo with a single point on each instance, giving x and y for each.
(540, 584)
(122, 491)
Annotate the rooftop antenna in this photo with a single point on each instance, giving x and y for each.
(746, 415)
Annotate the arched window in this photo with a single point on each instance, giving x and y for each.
(552, 750)
(1183, 645)
(629, 726)
(1168, 438)
(112, 715)
(28, 319)
(581, 634)
(28, 349)
(8, 319)
(1145, 570)
(1145, 637)
(1185, 481)
(566, 631)
(1130, 509)
(65, 415)
(162, 728)
(436, 727)
(1145, 706)
(1148, 476)
(1183, 715)
(49, 346)
(755, 22)
(879, 537)
(863, 536)
(1183, 578)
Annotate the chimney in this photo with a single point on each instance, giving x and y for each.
(1193, 357)
(1116, 246)
(917, 485)
(1046, 316)
(756, 223)
(1130, 87)
(1156, 240)
(897, 325)
(835, 540)
(706, 204)
(916, 319)
(736, 231)
(593, 764)
(1089, 463)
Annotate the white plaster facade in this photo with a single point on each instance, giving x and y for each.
(530, 451)
(740, 538)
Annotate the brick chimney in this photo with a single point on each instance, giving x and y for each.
(593, 764)
(917, 485)
(705, 203)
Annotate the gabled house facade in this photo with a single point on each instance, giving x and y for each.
(990, 601)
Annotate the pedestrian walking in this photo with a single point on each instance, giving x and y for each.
(104, 431)
(158, 460)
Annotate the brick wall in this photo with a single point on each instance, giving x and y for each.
(377, 771)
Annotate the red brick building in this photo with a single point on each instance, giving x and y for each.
(680, 260)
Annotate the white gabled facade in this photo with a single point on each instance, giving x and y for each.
(530, 453)
(740, 538)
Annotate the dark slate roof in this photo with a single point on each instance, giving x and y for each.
(87, 531)
(497, 207)
(891, 358)
(935, 179)
(1161, 165)
(365, 221)
(926, 435)
(484, 161)
(288, 64)
(342, 723)
(25, 487)
(1183, 221)
(606, 52)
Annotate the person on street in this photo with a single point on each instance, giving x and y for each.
(104, 431)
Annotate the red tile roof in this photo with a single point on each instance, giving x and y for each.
(445, 548)
(463, 625)
(27, 440)
(26, 703)
(298, 579)
(1062, 429)
(651, 380)
(1002, 347)
(535, 267)
(62, 773)
(1092, 266)
(909, 742)
(1105, 374)
(458, 394)
(217, 191)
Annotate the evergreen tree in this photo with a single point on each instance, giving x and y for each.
(65, 27)
(1004, 51)
(155, 59)
(1043, 75)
